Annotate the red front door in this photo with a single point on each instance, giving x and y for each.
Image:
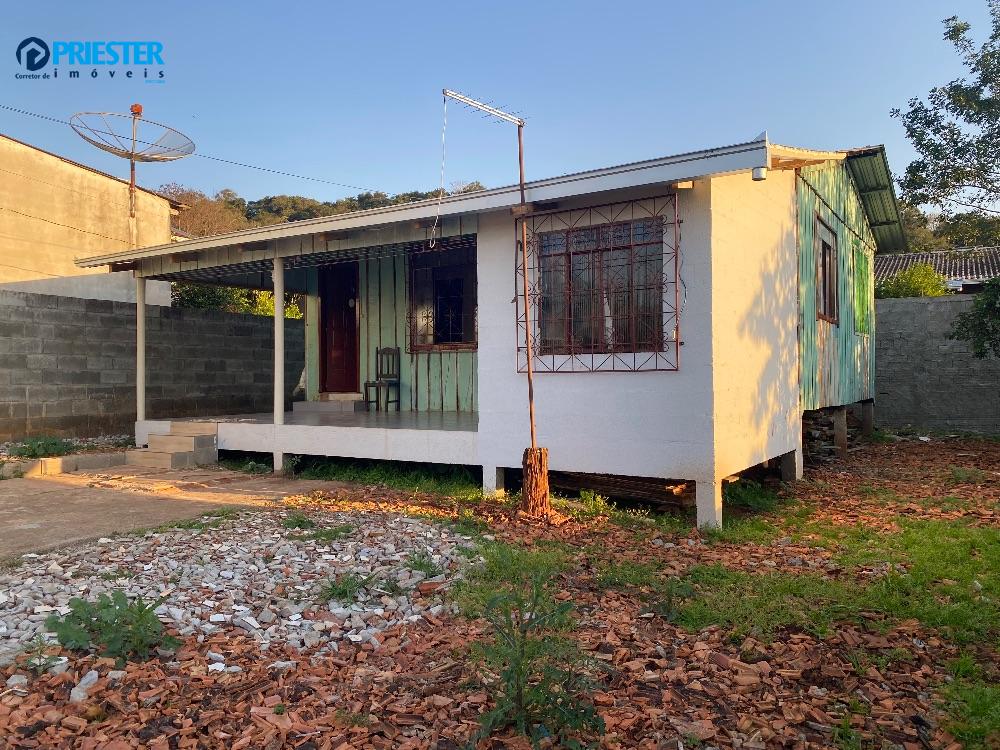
(338, 294)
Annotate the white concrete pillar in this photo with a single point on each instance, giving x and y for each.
(278, 276)
(792, 465)
(140, 348)
(708, 499)
(493, 481)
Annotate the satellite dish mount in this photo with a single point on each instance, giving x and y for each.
(146, 141)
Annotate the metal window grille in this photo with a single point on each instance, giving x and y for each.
(442, 310)
(603, 288)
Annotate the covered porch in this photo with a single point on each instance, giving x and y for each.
(407, 296)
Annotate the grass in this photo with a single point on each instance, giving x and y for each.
(42, 447)
(254, 463)
(743, 530)
(504, 568)
(298, 520)
(625, 573)
(329, 533)
(962, 475)
(422, 562)
(451, 481)
(973, 708)
(344, 588)
(750, 495)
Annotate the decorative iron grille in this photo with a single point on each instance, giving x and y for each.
(603, 288)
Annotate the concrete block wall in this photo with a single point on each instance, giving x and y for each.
(67, 365)
(925, 380)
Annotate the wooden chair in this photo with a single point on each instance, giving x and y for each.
(386, 379)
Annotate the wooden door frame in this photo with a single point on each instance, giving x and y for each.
(321, 328)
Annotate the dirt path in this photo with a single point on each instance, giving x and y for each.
(44, 513)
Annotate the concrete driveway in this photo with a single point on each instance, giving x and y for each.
(43, 513)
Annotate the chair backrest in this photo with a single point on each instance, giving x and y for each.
(387, 362)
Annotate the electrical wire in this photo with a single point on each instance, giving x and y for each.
(64, 226)
(437, 217)
(196, 153)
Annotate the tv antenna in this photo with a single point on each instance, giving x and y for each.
(535, 462)
(140, 140)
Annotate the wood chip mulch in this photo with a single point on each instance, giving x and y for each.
(663, 687)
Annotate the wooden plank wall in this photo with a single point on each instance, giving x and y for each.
(837, 364)
(431, 381)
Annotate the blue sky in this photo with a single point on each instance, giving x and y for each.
(351, 92)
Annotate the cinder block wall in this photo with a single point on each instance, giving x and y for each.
(925, 380)
(67, 365)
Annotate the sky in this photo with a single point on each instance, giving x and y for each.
(351, 93)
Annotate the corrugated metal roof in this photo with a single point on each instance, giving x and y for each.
(870, 170)
(967, 264)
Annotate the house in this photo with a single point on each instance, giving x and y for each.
(685, 311)
(965, 269)
(53, 210)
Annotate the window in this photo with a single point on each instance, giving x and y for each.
(601, 288)
(826, 273)
(443, 299)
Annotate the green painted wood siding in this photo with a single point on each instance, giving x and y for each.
(837, 362)
(430, 381)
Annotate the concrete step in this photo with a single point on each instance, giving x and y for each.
(348, 396)
(173, 443)
(161, 459)
(327, 407)
(194, 428)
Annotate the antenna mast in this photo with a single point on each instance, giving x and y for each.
(535, 463)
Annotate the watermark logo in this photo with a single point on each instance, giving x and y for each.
(80, 59)
(33, 53)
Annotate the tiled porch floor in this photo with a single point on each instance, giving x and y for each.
(398, 420)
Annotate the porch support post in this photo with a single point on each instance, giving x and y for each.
(792, 465)
(708, 499)
(493, 481)
(840, 430)
(140, 348)
(278, 276)
(868, 417)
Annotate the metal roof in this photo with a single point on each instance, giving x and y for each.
(870, 170)
(965, 264)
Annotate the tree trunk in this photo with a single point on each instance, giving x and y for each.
(535, 492)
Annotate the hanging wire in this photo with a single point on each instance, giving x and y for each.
(437, 217)
(198, 154)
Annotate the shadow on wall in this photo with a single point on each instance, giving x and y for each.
(762, 369)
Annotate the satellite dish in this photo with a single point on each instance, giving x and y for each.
(130, 137)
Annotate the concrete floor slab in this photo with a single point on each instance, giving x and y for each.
(46, 512)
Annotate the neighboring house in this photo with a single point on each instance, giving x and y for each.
(685, 311)
(966, 269)
(53, 211)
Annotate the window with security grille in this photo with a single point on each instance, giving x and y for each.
(601, 288)
(443, 300)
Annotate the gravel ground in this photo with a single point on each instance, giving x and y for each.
(250, 574)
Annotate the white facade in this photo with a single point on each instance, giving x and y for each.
(732, 403)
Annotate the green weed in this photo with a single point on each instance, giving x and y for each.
(750, 495)
(344, 588)
(506, 567)
(962, 475)
(450, 481)
(42, 447)
(625, 573)
(329, 533)
(298, 520)
(422, 562)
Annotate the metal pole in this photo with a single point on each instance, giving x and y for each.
(140, 348)
(524, 285)
(131, 161)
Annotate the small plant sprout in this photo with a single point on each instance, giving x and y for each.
(298, 520)
(422, 562)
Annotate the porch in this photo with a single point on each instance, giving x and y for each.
(422, 436)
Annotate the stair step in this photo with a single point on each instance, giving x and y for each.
(333, 397)
(173, 442)
(194, 428)
(161, 459)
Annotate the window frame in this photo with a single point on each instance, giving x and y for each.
(568, 346)
(471, 274)
(825, 300)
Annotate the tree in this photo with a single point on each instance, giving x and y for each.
(919, 229)
(206, 216)
(980, 325)
(956, 130)
(919, 280)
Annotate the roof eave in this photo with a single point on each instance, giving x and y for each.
(680, 167)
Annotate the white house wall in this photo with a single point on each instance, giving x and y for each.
(754, 315)
(635, 423)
